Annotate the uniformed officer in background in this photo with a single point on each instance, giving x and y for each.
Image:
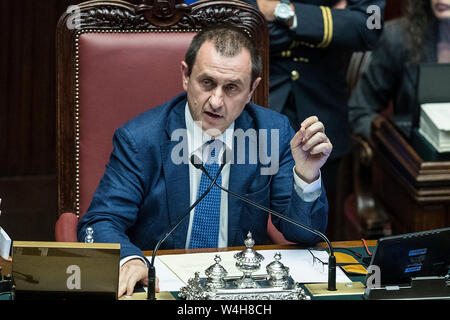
(311, 42)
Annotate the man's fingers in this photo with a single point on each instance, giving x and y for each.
(308, 128)
(313, 128)
(316, 139)
(132, 280)
(310, 135)
(122, 287)
(323, 148)
(126, 281)
(130, 273)
(298, 137)
(308, 121)
(122, 282)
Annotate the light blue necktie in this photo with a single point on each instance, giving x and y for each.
(205, 225)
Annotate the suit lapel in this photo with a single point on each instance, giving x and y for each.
(176, 174)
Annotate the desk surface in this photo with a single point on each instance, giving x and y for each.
(336, 244)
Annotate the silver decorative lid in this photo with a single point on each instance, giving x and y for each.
(216, 271)
(249, 257)
(276, 269)
(278, 272)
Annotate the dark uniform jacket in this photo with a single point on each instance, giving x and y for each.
(308, 65)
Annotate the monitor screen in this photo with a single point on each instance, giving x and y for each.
(402, 257)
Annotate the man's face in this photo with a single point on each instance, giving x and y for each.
(218, 88)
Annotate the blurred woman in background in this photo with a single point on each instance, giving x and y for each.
(422, 35)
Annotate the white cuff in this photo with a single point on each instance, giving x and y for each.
(126, 259)
(307, 191)
(294, 23)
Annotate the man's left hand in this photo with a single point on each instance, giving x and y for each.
(130, 273)
(310, 149)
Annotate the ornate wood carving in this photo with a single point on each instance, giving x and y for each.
(112, 17)
(162, 13)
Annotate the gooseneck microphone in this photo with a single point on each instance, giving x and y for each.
(151, 291)
(198, 164)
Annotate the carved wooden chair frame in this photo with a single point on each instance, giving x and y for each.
(121, 16)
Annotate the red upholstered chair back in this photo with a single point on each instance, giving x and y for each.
(115, 85)
(116, 60)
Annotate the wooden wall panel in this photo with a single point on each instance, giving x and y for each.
(27, 105)
(394, 9)
(28, 117)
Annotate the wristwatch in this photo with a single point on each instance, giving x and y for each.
(283, 11)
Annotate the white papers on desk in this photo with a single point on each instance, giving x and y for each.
(174, 271)
(435, 125)
(168, 280)
(5, 244)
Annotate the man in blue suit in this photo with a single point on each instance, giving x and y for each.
(149, 182)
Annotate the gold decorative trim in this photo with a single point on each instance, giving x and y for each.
(327, 27)
(64, 245)
(301, 59)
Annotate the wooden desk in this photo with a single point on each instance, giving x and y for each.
(414, 192)
(7, 264)
(166, 296)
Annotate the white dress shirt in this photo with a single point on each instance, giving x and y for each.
(196, 140)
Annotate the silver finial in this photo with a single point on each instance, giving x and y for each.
(248, 261)
(89, 235)
(216, 274)
(278, 272)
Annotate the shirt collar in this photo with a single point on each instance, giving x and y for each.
(197, 137)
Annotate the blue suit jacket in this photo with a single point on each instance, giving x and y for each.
(143, 193)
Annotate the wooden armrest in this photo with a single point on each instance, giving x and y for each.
(369, 214)
(66, 227)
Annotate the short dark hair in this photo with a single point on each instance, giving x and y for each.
(229, 41)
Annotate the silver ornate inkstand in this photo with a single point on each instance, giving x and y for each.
(277, 284)
(248, 261)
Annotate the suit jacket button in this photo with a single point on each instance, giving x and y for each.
(294, 75)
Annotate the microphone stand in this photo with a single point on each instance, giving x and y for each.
(331, 260)
(151, 291)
